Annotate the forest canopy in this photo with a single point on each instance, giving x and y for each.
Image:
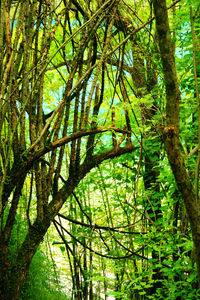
(99, 149)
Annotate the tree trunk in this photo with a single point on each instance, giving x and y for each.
(171, 130)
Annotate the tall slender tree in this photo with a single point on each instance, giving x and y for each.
(171, 131)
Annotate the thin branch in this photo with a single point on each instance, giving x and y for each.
(95, 226)
(100, 254)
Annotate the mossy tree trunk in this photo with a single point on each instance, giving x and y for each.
(171, 132)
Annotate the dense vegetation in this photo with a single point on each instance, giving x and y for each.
(99, 149)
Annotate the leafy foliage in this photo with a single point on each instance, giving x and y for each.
(84, 150)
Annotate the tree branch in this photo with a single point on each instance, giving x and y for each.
(40, 152)
(95, 226)
(100, 254)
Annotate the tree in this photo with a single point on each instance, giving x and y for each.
(171, 132)
(36, 38)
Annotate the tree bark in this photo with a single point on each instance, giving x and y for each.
(171, 134)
